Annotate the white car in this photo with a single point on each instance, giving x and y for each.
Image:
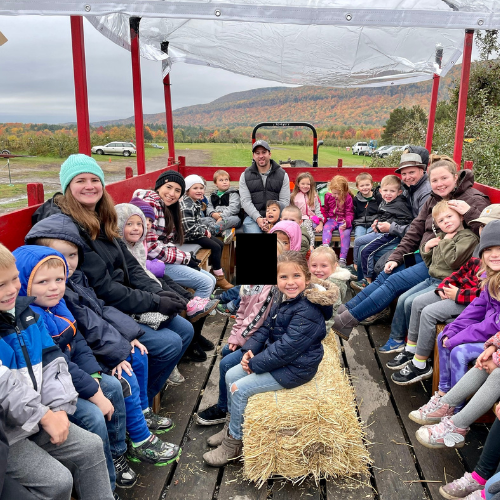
(360, 148)
(157, 146)
(115, 148)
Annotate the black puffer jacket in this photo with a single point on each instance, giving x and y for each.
(113, 272)
(396, 210)
(288, 344)
(365, 212)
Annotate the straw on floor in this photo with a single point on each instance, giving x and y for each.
(311, 430)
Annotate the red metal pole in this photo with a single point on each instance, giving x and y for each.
(80, 75)
(462, 97)
(136, 82)
(168, 116)
(432, 113)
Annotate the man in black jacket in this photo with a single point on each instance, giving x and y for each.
(264, 180)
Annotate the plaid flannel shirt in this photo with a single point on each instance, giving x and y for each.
(160, 245)
(466, 280)
(191, 215)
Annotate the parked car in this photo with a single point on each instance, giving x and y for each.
(392, 149)
(380, 150)
(157, 146)
(115, 148)
(360, 148)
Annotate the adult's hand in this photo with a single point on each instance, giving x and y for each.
(261, 222)
(459, 206)
(390, 266)
(56, 425)
(215, 215)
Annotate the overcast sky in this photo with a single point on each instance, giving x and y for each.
(36, 75)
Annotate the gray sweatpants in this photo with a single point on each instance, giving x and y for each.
(49, 471)
(223, 224)
(427, 311)
(486, 390)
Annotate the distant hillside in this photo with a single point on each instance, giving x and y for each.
(323, 107)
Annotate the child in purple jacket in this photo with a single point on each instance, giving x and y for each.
(463, 340)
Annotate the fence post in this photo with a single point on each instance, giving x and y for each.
(35, 193)
(339, 163)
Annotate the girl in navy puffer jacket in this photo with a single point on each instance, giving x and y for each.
(283, 353)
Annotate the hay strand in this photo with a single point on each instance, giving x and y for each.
(310, 430)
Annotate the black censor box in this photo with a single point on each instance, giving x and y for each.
(256, 259)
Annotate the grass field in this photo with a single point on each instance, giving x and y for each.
(239, 155)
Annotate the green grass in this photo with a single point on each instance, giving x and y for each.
(239, 155)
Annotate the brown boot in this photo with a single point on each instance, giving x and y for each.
(230, 449)
(216, 439)
(222, 282)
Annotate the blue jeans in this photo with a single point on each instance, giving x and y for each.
(246, 386)
(201, 282)
(166, 347)
(378, 254)
(379, 294)
(229, 359)
(250, 226)
(361, 231)
(490, 481)
(138, 400)
(401, 320)
(232, 298)
(88, 416)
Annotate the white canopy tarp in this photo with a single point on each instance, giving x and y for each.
(334, 43)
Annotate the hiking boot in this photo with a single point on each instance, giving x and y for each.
(157, 424)
(410, 374)
(230, 449)
(205, 344)
(443, 435)
(343, 324)
(222, 283)
(432, 412)
(461, 488)
(197, 308)
(195, 353)
(359, 285)
(216, 439)
(400, 361)
(392, 345)
(228, 235)
(154, 451)
(380, 316)
(176, 377)
(212, 415)
(125, 476)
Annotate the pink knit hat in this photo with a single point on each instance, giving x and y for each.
(292, 229)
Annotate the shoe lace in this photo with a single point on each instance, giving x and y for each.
(433, 404)
(443, 428)
(464, 481)
(120, 464)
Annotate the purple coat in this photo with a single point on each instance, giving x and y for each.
(479, 321)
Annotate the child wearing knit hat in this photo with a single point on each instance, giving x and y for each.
(197, 232)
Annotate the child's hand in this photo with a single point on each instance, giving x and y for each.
(431, 244)
(342, 227)
(383, 227)
(442, 294)
(489, 366)
(319, 228)
(232, 347)
(262, 222)
(374, 225)
(485, 356)
(209, 234)
(451, 292)
(444, 339)
(103, 403)
(244, 362)
(390, 266)
(56, 425)
(142, 347)
(124, 366)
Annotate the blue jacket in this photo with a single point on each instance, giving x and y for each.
(33, 372)
(59, 322)
(288, 344)
(107, 330)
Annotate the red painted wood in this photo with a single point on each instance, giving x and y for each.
(137, 88)
(80, 77)
(462, 97)
(129, 172)
(35, 193)
(168, 116)
(182, 161)
(468, 164)
(432, 113)
(339, 163)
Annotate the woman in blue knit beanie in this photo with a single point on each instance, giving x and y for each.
(112, 271)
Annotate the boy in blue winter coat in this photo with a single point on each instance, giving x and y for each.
(113, 337)
(37, 394)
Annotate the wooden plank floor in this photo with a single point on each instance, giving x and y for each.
(401, 465)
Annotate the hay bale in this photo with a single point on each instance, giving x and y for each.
(310, 430)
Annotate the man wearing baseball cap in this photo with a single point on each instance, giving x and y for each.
(264, 180)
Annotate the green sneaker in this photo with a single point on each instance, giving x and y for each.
(157, 424)
(154, 451)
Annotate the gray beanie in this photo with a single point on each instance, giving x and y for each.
(490, 236)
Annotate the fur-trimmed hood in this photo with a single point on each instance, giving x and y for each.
(322, 292)
(341, 273)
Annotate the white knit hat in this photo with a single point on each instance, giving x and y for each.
(191, 180)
